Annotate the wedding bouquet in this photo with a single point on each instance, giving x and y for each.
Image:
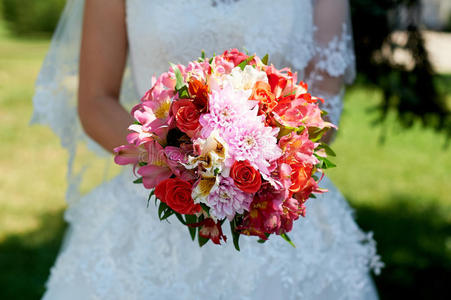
(228, 138)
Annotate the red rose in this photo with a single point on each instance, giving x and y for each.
(186, 116)
(176, 193)
(246, 177)
(234, 56)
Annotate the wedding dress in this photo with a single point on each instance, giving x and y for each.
(116, 248)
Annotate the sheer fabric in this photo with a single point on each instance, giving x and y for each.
(333, 63)
(116, 248)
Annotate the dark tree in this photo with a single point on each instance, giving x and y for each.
(410, 90)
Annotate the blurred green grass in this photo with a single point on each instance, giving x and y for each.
(399, 189)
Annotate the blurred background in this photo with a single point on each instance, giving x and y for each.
(394, 162)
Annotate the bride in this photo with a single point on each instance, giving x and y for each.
(116, 248)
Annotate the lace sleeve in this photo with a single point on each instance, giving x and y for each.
(333, 62)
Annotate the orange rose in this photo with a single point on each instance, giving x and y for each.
(176, 193)
(199, 92)
(299, 177)
(262, 93)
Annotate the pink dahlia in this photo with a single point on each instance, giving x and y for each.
(251, 140)
(227, 106)
(227, 199)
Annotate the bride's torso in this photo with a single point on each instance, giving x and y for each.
(174, 31)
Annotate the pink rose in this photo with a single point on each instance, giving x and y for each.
(235, 56)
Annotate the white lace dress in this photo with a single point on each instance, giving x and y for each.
(118, 249)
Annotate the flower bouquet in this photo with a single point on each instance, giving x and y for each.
(228, 138)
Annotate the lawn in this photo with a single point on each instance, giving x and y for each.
(398, 188)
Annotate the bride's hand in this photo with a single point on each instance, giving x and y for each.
(102, 61)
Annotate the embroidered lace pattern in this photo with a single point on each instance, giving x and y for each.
(119, 250)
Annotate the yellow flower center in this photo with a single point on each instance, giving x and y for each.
(163, 111)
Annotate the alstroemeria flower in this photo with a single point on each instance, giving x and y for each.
(211, 153)
(129, 154)
(264, 213)
(211, 230)
(298, 148)
(157, 168)
(298, 112)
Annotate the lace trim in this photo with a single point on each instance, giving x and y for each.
(333, 105)
(336, 58)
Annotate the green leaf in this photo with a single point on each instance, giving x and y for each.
(315, 134)
(312, 196)
(139, 180)
(235, 235)
(324, 162)
(167, 213)
(328, 150)
(150, 197)
(178, 77)
(202, 54)
(261, 241)
(245, 62)
(184, 93)
(287, 238)
(205, 208)
(161, 209)
(202, 240)
(137, 123)
(191, 219)
(265, 59)
(179, 216)
(299, 129)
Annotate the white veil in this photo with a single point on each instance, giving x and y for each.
(55, 104)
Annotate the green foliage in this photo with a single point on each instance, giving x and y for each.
(245, 62)
(235, 235)
(448, 24)
(265, 59)
(31, 16)
(287, 238)
(138, 181)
